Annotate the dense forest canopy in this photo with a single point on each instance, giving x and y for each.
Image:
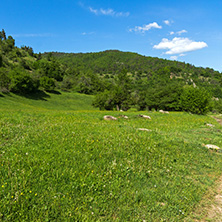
(119, 80)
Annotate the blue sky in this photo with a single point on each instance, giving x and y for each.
(187, 31)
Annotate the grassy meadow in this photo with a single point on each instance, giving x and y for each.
(60, 161)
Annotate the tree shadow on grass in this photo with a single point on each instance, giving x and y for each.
(54, 92)
(38, 95)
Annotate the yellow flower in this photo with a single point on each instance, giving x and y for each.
(36, 194)
(30, 191)
(3, 186)
(21, 194)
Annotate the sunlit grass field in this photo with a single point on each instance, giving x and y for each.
(61, 163)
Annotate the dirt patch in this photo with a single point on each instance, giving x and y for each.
(217, 119)
(214, 213)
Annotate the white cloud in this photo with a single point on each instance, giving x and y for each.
(87, 33)
(179, 32)
(95, 11)
(109, 12)
(179, 45)
(167, 22)
(145, 28)
(182, 31)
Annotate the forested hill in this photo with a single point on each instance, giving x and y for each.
(123, 79)
(114, 61)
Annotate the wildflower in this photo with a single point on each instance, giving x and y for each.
(36, 194)
(3, 186)
(30, 191)
(21, 194)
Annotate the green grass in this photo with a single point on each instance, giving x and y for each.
(46, 101)
(64, 165)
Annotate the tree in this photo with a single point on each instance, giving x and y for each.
(28, 49)
(161, 96)
(122, 91)
(10, 41)
(119, 96)
(21, 82)
(47, 83)
(104, 101)
(195, 100)
(3, 35)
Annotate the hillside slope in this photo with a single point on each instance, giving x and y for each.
(47, 101)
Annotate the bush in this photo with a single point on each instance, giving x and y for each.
(195, 100)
